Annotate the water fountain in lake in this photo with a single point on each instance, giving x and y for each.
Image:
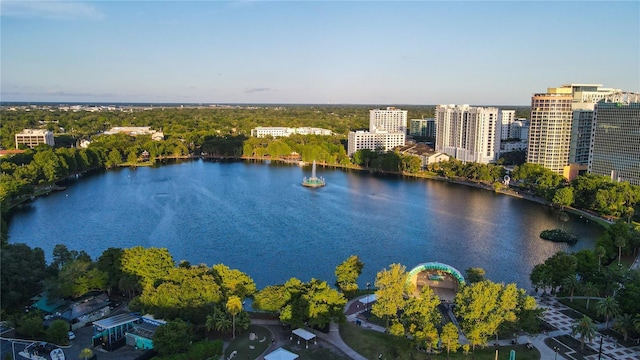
(313, 181)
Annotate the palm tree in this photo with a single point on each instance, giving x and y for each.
(589, 289)
(608, 307)
(626, 323)
(585, 328)
(636, 323)
(218, 321)
(234, 306)
(600, 253)
(86, 353)
(570, 283)
(620, 242)
(210, 323)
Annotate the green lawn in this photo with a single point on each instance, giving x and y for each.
(242, 344)
(370, 344)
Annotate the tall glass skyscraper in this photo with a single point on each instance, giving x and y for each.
(615, 143)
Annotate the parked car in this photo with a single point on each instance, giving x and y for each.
(72, 335)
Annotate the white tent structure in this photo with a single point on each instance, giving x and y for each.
(281, 354)
(304, 334)
(368, 299)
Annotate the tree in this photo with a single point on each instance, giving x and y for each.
(541, 276)
(115, 158)
(172, 338)
(589, 289)
(148, 264)
(475, 275)
(585, 328)
(234, 306)
(608, 307)
(624, 324)
(62, 255)
(187, 293)
(21, 272)
(620, 241)
(570, 284)
(218, 320)
(422, 310)
(392, 288)
(233, 282)
(109, 262)
(561, 265)
(57, 332)
(563, 197)
(347, 274)
(600, 253)
(31, 325)
(449, 337)
(86, 353)
(484, 306)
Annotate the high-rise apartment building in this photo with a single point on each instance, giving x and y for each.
(423, 127)
(391, 120)
(468, 133)
(387, 129)
(616, 138)
(551, 123)
(507, 117)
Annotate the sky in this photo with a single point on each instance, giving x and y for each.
(314, 52)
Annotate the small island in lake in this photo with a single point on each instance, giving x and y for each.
(313, 181)
(559, 235)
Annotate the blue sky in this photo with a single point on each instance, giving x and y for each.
(358, 52)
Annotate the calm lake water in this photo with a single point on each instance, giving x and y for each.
(259, 219)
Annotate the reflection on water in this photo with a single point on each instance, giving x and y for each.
(258, 218)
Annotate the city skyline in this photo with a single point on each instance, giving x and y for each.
(314, 51)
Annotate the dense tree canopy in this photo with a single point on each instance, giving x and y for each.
(483, 307)
(347, 274)
(314, 303)
(22, 270)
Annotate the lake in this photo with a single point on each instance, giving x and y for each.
(259, 219)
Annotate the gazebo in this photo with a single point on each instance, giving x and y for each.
(281, 354)
(304, 334)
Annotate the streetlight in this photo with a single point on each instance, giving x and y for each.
(600, 350)
(556, 349)
(368, 299)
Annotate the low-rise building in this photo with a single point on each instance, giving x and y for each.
(34, 137)
(278, 131)
(135, 131)
(425, 152)
(376, 141)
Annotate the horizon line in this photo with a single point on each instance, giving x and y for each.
(6, 102)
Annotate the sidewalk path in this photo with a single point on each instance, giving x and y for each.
(555, 317)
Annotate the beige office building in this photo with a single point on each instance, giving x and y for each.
(34, 137)
(551, 124)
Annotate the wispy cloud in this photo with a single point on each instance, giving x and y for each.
(255, 90)
(50, 9)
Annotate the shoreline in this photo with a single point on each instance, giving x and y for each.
(162, 160)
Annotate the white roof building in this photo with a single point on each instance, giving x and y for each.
(276, 131)
(34, 137)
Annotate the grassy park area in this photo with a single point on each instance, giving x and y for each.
(247, 346)
(371, 344)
